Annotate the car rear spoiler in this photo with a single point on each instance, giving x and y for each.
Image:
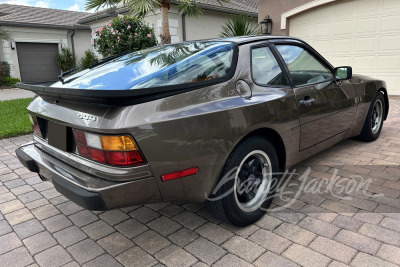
(108, 97)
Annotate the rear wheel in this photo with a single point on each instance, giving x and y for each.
(374, 121)
(246, 187)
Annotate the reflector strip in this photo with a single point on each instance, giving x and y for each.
(179, 174)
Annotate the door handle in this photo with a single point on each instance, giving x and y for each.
(307, 101)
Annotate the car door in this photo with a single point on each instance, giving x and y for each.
(326, 107)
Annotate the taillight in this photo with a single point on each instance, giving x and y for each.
(35, 125)
(113, 150)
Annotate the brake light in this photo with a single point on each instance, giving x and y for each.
(113, 150)
(35, 125)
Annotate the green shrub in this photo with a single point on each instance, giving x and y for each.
(4, 70)
(239, 25)
(89, 59)
(123, 34)
(10, 81)
(65, 60)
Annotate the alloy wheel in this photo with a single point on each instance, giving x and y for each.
(253, 181)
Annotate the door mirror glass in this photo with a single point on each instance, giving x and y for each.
(343, 73)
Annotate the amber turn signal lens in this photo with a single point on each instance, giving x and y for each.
(117, 143)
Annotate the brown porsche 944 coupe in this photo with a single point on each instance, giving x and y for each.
(196, 120)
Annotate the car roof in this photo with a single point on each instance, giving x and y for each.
(253, 38)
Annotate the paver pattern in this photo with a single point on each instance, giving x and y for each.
(38, 226)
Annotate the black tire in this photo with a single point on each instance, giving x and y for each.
(253, 163)
(374, 121)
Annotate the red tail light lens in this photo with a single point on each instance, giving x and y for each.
(91, 153)
(80, 137)
(120, 151)
(123, 158)
(35, 125)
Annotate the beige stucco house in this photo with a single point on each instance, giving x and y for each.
(364, 34)
(37, 35)
(183, 28)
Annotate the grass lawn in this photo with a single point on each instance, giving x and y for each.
(14, 118)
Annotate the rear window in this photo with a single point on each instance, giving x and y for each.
(174, 64)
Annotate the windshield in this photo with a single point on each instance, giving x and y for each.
(157, 66)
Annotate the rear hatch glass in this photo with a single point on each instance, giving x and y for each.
(182, 63)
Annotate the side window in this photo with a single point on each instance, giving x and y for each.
(265, 69)
(303, 67)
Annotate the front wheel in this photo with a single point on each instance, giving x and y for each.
(374, 122)
(246, 185)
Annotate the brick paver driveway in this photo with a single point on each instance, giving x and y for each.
(39, 226)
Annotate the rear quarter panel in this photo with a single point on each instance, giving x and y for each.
(202, 127)
(366, 88)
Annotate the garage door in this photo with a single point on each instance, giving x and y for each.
(37, 62)
(364, 34)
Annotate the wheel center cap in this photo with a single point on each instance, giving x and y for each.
(248, 185)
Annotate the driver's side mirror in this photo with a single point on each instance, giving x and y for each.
(343, 73)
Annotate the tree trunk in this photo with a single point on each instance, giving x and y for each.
(165, 35)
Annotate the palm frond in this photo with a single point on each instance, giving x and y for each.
(141, 7)
(239, 25)
(178, 52)
(190, 8)
(96, 4)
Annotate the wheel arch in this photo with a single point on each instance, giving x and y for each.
(385, 94)
(275, 139)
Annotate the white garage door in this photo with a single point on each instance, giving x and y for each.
(364, 34)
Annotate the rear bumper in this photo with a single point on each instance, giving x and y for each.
(84, 189)
(86, 199)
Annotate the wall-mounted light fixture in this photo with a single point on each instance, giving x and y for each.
(266, 25)
(12, 45)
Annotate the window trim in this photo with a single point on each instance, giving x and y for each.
(282, 67)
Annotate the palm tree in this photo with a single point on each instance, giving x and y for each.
(4, 35)
(239, 25)
(141, 7)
